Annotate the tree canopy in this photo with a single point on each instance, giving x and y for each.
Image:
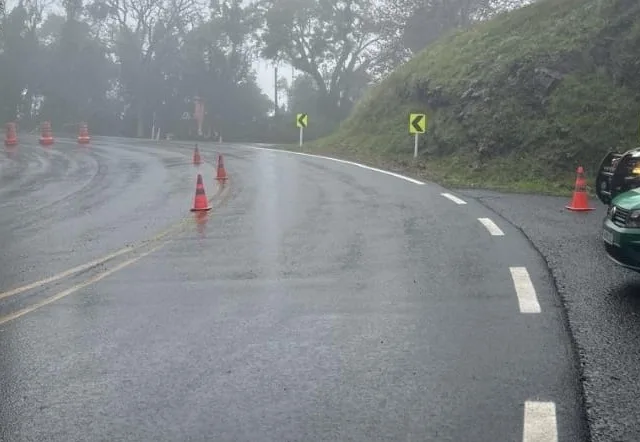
(126, 66)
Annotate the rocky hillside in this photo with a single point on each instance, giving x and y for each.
(517, 102)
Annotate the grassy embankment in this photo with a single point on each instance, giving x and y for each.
(516, 103)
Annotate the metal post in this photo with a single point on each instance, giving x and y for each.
(275, 89)
(301, 130)
(415, 148)
(153, 127)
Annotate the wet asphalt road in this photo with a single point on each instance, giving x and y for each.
(602, 302)
(317, 301)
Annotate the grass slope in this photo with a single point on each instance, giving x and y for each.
(515, 103)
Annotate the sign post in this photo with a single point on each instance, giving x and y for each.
(417, 126)
(301, 122)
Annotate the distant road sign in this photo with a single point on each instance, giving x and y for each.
(417, 123)
(186, 116)
(302, 120)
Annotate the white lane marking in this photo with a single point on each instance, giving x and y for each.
(351, 163)
(453, 198)
(524, 289)
(491, 227)
(540, 422)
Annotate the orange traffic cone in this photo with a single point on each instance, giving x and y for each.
(196, 156)
(83, 134)
(11, 137)
(46, 138)
(580, 200)
(200, 202)
(222, 173)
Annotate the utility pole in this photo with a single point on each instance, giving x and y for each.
(275, 87)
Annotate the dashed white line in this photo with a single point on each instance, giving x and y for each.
(453, 198)
(524, 289)
(540, 422)
(386, 172)
(491, 227)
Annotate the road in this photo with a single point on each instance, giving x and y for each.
(318, 300)
(600, 298)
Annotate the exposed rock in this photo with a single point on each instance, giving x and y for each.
(547, 78)
(433, 97)
(473, 94)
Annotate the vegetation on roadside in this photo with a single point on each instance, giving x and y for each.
(517, 102)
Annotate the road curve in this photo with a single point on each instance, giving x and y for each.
(317, 301)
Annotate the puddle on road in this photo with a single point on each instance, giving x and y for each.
(201, 219)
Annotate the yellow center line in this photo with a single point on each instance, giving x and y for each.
(77, 287)
(37, 284)
(223, 193)
(64, 274)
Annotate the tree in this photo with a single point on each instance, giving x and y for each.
(146, 34)
(216, 66)
(19, 59)
(303, 95)
(78, 70)
(333, 41)
(122, 65)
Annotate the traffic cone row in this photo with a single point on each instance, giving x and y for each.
(11, 135)
(200, 201)
(46, 134)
